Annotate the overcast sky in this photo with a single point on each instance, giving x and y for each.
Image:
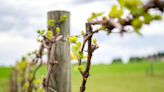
(19, 20)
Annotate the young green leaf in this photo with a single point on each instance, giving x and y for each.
(121, 2)
(80, 55)
(94, 16)
(90, 19)
(63, 18)
(73, 57)
(94, 41)
(83, 33)
(51, 23)
(75, 50)
(138, 32)
(25, 86)
(78, 44)
(38, 81)
(136, 11)
(49, 35)
(115, 12)
(101, 28)
(57, 30)
(132, 3)
(137, 24)
(157, 17)
(73, 39)
(147, 18)
(80, 68)
(23, 64)
(41, 32)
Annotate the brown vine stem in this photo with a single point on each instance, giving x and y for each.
(86, 72)
(52, 60)
(51, 64)
(82, 50)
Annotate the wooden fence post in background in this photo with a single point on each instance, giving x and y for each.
(60, 78)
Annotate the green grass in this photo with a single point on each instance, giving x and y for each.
(4, 79)
(111, 78)
(123, 78)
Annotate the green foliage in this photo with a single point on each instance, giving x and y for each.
(157, 17)
(83, 33)
(25, 86)
(63, 18)
(23, 65)
(41, 32)
(94, 41)
(38, 81)
(130, 3)
(115, 12)
(80, 67)
(24, 72)
(117, 61)
(101, 28)
(136, 11)
(94, 16)
(49, 35)
(57, 30)
(136, 59)
(76, 51)
(121, 2)
(80, 55)
(137, 24)
(51, 23)
(76, 46)
(147, 18)
(40, 89)
(73, 39)
(134, 6)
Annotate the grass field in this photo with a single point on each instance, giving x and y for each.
(4, 79)
(111, 78)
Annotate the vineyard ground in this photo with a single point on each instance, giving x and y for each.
(109, 78)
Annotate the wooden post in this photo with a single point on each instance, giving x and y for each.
(60, 79)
